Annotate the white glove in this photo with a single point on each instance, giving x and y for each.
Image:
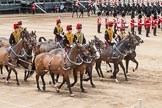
(71, 46)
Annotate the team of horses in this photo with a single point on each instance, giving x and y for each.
(48, 56)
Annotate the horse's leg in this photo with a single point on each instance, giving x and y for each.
(1, 66)
(127, 64)
(52, 77)
(37, 80)
(57, 77)
(68, 84)
(122, 66)
(101, 70)
(16, 76)
(8, 77)
(90, 75)
(25, 75)
(107, 63)
(135, 61)
(97, 68)
(115, 71)
(58, 89)
(43, 82)
(81, 82)
(75, 77)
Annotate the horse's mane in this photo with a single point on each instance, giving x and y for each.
(126, 37)
(40, 39)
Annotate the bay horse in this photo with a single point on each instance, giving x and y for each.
(58, 64)
(10, 59)
(25, 59)
(132, 55)
(116, 54)
(47, 45)
(100, 45)
(86, 65)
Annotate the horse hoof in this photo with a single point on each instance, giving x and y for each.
(93, 86)
(126, 79)
(101, 79)
(116, 80)
(7, 82)
(50, 82)
(55, 85)
(112, 77)
(128, 74)
(44, 89)
(39, 89)
(18, 84)
(72, 95)
(83, 91)
(86, 79)
(58, 90)
(109, 71)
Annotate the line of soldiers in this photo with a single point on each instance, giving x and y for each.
(69, 38)
(15, 35)
(116, 29)
(119, 25)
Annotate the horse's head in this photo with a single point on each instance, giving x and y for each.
(98, 43)
(91, 47)
(81, 49)
(127, 43)
(24, 34)
(139, 39)
(32, 41)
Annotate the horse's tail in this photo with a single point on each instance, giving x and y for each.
(40, 39)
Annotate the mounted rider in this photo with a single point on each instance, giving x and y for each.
(58, 30)
(79, 36)
(120, 33)
(19, 24)
(15, 36)
(68, 38)
(109, 34)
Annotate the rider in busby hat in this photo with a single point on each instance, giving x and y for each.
(19, 24)
(68, 38)
(79, 36)
(120, 33)
(58, 30)
(15, 36)
(109, 34)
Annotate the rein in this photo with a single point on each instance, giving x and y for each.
(75, 63)
(25, 54)
(17, 55)
(120, 51)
